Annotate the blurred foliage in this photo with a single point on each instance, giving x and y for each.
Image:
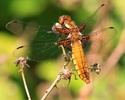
(40, 75)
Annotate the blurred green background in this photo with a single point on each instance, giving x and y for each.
(109, 85)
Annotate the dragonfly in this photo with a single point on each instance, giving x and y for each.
(68, 35)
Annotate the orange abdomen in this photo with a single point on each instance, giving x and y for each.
(79, 61)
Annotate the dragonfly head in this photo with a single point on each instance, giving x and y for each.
(66, 21)
(64, 18)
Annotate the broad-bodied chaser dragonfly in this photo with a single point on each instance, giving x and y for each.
(72, 39)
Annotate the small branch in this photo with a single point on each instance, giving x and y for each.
(59, 76)
(25, 85)
(23, 62)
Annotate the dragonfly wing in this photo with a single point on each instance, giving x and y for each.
(44, 46)
(18, 27)
(92, 19)
(38, 52)
(41, 44)
(27, 30)
(97, 41)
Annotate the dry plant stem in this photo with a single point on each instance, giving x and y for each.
(25, 85)
(22, 62)
(58, 78)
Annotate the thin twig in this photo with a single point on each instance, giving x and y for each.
(59, 76)
(25, 85)
(23, 62)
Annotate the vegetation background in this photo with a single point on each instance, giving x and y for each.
(109, 85)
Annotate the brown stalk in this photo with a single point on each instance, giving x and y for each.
(22, 62)
(58, 78)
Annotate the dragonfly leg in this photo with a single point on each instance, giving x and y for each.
(66, 58)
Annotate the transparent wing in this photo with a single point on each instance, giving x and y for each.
(43, 41)
(20, 27)
(97, 40)
(44, 47)
(38, 52)
(93, 19)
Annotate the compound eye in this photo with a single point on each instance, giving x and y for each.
(67, 17)
(63, 18)
(58, 25)
(55, 26)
